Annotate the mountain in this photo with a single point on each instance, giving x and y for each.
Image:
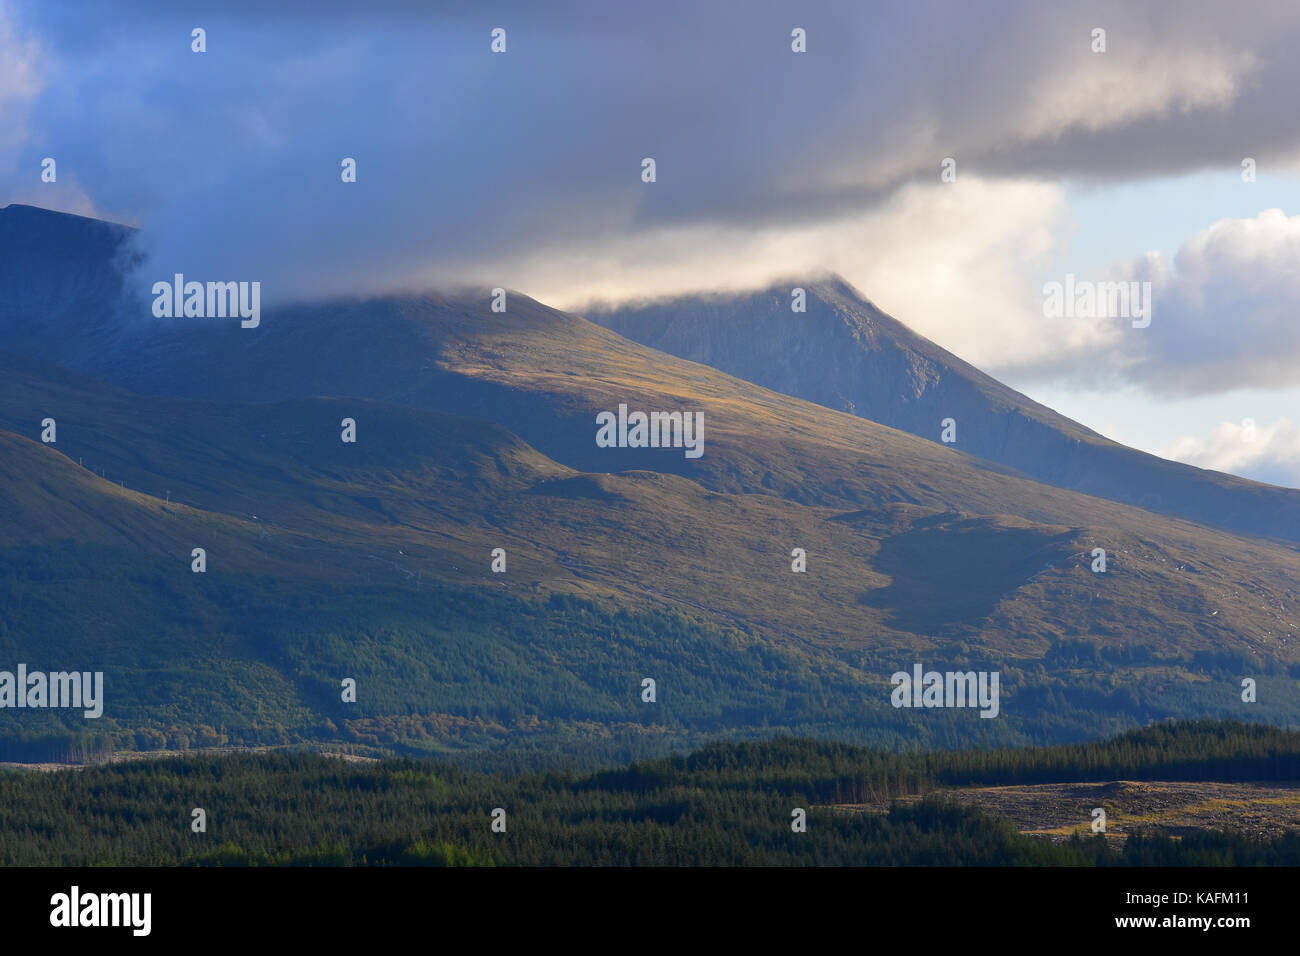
(846, 354)
(476, 431)
(60, 272)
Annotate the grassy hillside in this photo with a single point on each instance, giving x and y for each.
(978, 562)
(372, 561)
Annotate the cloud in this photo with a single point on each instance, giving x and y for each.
(1103, 92)
(476, 162)
(1268, 453)
(956, 261)
(1230, 308)
(19, 78)
(1226, 315)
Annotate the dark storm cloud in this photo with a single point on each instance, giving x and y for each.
(231, 158)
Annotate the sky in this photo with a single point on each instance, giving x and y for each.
(523, 169)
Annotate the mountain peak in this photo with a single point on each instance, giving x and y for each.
(846, 354)
(17, 213)
(37, 233)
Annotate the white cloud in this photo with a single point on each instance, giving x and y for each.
(65, 195)
(1226, 315)
(1227, 309)
(1138, 80)
(956, 262)
(1269, 453)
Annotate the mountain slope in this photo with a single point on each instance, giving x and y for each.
(543, 375)
(846, 354)
(442, 491)
(376, 565)
(475, 431)
(843, 354)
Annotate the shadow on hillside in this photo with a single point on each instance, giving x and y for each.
(949, 572)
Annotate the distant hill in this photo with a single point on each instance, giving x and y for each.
(846, 354)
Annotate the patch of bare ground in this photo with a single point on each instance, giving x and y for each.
(1055, 811)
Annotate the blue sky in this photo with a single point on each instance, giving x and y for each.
(523, 169)
(1119, 219)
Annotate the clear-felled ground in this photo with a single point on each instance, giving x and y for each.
(1057, 810)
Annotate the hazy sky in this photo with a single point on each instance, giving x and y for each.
(523, 169)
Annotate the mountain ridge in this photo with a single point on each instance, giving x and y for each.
(846, 354)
